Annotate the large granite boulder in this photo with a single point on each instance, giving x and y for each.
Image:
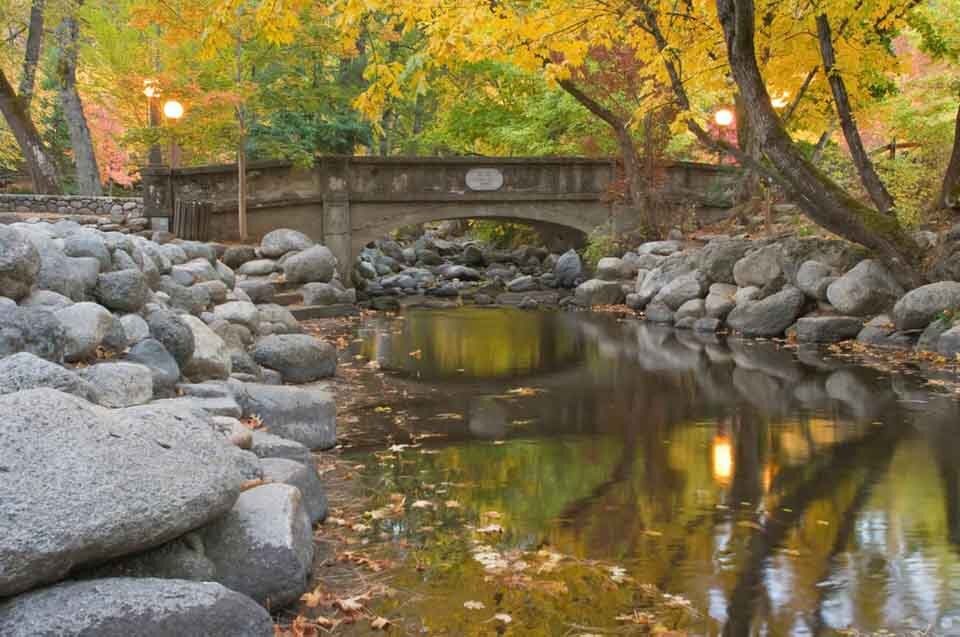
(122, 291)
(264, 546)
(303, 477)
(719, 257)
(768, 317)
(316, 264)
(917, 308)
(267, 445)
(867, 289)
(242, 312)
(692, 285)
(85, 325)
(597, 292)
(569, 269)
(306, 415)
(759, 268)
(19, 264)
(828, 329)
(300, 358)
(88, 243)
(169, 473)
(119, 384)
(813, 279)
(162, 365)
(34, 330)
(235, 256)
(211, 356)
(277, 243)
(23, 371)
(610, 269)
(124, 607)
(172, 331)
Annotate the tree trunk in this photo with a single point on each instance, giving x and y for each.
(88, 175)
(43, 172)
(242, 130)
(950, 192)
(31, 56)
(822, 200)
(868, 174)
(632, 169)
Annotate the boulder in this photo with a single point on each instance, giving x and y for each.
(316, 264)
(122, 291)
(121, 607)
(168, 474)
(241, 312)
(660, 248)
(264, 546)
(828, 329)
(302, 477)
(685, 287)
(917, 308)
(258, 290)
(46, 299)
(211, 356)
(299, 358)
(658, 312)
(277, 243)
(119, 384)
(813, 279)
(472, 256)
(866, 289)
(949, 343)
(759, 268)
(568, 269)
(881, 332)
(707, 325)
(320, 294)
(85, 325)
(162, 365)
(694, 308)
(258, 267)
(524, 283)
(719, 257)
(172, 331)
(217, 290)
(305, 415)
(720, 300)
(279, 318)
(597, 292)
(235, 256)
(267, 445)
(19, 264)
(609, 269)
(24, 371)
(34, 330)
(930, 338)
(192, 299)
(768, 317)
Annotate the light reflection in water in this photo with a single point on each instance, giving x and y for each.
(781, 497)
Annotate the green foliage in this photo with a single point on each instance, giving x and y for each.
(600, 244)
(503, 234)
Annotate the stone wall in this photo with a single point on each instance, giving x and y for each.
(73, 205)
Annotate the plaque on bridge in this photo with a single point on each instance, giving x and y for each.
(484, 179)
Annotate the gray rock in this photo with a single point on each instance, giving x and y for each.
(609, 269)
(568, 269)
(119, 384)
(759, 268)
(227, 276)
(278, 242)
(597, 292)
(880, 332)
(264, 546)
(828, 329)
(173, 333)
(122, 291)
(930, 338)
(235, 256)
(259, 290)
(694, 308)
(24, 371)
(279, 318)
(813, 278)
(241, 312)
(768, 317)
(302, 477)
(211, 356)
(198, 250)
(19, 264)
(917, 308)
(46, 299)
(305, 415)
(217, 291)
(258, 267)
(949, 343)
(194, 271)
(866, 289)
(720, 300)
(300, 358)
(524, 283)
(719, 257)
(168, 474)
(84, 327)
(267, 445)
(181, 559)
(34, 330)
(320, 294)
(316, 264)
(88, 244)
(747, 294)
(685, 287)
(660, 248)
(657, 312)
(162, 365)
(115, 340)
(121, 607)
(707, 325)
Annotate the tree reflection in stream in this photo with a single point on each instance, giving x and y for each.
(781, 493)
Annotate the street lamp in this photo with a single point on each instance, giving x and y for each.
(173, 110)
(151, 89)
(723, 118)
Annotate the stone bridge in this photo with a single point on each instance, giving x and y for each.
(346, 202)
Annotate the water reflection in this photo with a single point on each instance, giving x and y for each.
(780, 492)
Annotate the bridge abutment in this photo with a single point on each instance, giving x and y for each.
(336, 228)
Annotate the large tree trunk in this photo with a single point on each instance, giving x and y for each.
(88, 174)
(632, 166)
(868, 174)
(31, 56)
(43, 172)
(950, 192)
(821, 199)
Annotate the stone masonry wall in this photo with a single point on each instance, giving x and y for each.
(124, 207)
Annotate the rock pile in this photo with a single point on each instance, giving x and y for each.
(125, 367)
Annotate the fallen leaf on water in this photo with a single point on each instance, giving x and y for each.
(490, 528)
(473, 605)
(422, 504)
(452, 504)
(618, 574)
(379, 623)
(350, 605)
(417, 354)
(503, 617)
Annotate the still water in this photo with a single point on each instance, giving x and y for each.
(780, 492)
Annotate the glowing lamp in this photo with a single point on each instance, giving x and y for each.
(172, 109)
(723, 117)
(722, 459)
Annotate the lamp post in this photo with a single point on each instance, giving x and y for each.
(151, 90)
(173, 110)
(723, 118)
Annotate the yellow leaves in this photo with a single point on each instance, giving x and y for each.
(474, 605)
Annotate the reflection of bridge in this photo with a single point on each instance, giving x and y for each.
(349, 201)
